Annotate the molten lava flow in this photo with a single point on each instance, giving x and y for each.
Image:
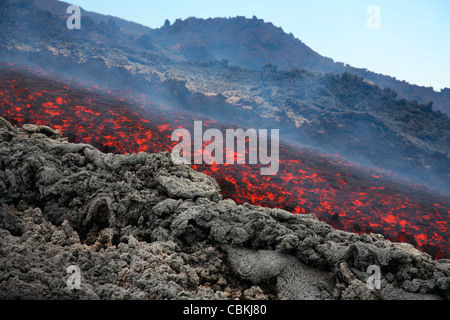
(344, 195)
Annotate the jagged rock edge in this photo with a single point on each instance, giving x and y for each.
(94, 204)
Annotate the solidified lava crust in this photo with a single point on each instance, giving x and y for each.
(140, 227)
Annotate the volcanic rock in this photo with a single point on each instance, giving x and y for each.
(140, 227)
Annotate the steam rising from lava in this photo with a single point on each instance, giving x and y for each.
(344, 195)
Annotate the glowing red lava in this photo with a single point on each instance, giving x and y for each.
(346, 196)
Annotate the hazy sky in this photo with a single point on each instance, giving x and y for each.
(413, 43)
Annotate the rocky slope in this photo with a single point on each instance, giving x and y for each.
(336, 113)
(140, 227)
(250, 44)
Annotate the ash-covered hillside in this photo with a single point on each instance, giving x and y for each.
(249, 43)
(139, 227)
(252, 43)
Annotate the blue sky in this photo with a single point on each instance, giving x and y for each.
(413, 43)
